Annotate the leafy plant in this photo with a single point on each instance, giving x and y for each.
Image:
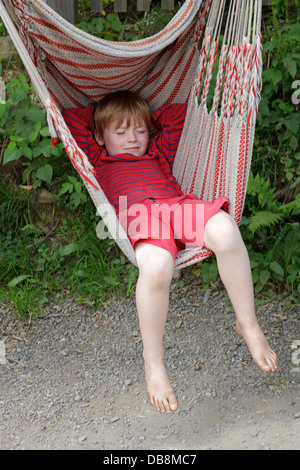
(27, 147)
(272, 236)
(276, 148)
(3, 31)
(76, 189)
(25, 135)
(108, 27)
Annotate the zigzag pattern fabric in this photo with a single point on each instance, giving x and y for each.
(70, 68)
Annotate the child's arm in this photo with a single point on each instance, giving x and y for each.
(81, 124)
(169, 120)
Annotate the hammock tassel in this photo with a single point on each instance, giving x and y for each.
(54, 141)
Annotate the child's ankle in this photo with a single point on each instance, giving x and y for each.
(247, 323)
(153, 358)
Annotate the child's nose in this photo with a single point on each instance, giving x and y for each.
(131, 136)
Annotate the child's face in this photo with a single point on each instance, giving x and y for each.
(131, 139)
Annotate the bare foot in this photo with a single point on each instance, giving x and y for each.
(159, 389)
(259, 347)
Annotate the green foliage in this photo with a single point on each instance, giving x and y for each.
(208, 270)
(76, 189)
(33, 269)
(271, 232)
(129, 26)
(14, 208)
(108, 27)
(277, 146)
(272, 235)
(24, 133)
(270, 224)
(3, 31)
(26, 143)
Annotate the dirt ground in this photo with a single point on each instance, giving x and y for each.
(73, 379)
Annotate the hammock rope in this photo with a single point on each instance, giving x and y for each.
(70, 68)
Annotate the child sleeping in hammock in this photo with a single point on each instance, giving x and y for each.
(135, 173)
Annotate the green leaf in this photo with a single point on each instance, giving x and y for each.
(45, 132)
(2, 109)
(30, 229)
(17, 280)
(292, 243)
(292, 123)
(33, 136)
(277, 268)
(37, 126)
(291, 65)
(66, 187)
(276, 76)
(67, 250)
(18, 95)
(45, 173)
(264, 276)
(117, 25)
(78, 187)
(15, 138)
(11, 153)
(294, 142)
(36, 114)
(264, 219)
(264, 108)
(27, 152)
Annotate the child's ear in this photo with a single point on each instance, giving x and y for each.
(98, 138)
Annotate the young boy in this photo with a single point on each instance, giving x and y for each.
(114, 134)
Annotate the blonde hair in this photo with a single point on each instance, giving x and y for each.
(119, 107)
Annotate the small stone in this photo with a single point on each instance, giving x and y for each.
(114, 419)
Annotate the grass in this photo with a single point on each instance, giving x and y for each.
(72, 261)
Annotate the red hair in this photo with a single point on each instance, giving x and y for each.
(119, 107)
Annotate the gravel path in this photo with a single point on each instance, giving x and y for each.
(73, 379)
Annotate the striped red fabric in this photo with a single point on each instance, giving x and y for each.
(79, 70)
(137, 178)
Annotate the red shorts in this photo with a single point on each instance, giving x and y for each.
(173, 224)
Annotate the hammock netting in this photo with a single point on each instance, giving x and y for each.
(209, 55)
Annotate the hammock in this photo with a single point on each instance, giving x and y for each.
(70, 68)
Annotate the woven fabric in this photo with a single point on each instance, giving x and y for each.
(71, 68)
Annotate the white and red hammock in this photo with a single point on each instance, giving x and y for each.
(70, 68)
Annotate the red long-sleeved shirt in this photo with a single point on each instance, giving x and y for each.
(137, 178)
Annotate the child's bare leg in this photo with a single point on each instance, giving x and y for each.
(223, 237)
(156, 268)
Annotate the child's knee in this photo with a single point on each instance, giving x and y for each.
(221, 233)
(155, 264)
